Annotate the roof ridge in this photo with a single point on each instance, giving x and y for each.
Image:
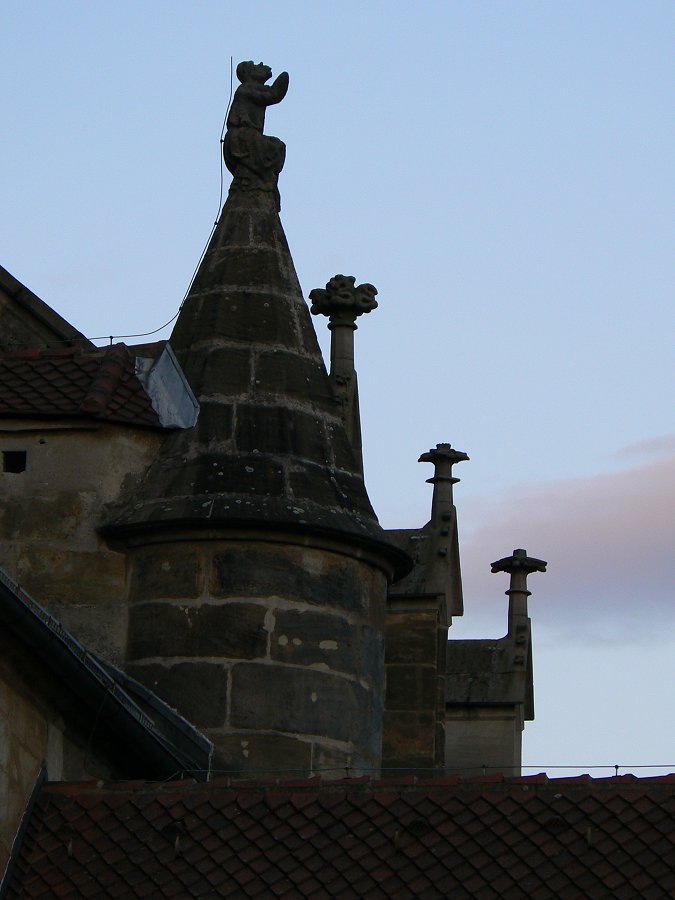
(106, 380)
(362, 783)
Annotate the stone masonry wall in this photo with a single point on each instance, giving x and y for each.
(415, 698)
(274, 651)
(483, 739)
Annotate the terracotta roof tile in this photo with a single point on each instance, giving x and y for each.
(480, 839)
(78, 382)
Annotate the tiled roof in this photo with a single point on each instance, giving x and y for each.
(99, 383)
(485, 838)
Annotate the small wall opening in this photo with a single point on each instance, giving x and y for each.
(14, 461)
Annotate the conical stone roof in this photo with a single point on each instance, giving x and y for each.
(269, 449)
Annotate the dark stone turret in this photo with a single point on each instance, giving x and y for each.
(257, 568)
(270, 447)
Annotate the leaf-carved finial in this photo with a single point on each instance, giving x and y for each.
(342, 295)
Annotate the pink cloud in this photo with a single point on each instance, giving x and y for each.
(609, 541)
(663, 445)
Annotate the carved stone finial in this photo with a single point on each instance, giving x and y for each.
(341, 297)
(519, 562)
(253, 158)
(343, 302)
(443, 457)
(519, 566)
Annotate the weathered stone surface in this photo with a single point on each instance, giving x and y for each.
(35, 520)
(343, 450)
(215, 423)
(409, 739)
(411, 687)
(272, 429)
(304, 701)
(216, 474)
(352, 494)
(411, 637)
(238, 315)
(373, 654)
(197, 690)
(264, 572)
(305, 638)
(261, 754)
(331, 762)
(231, 630)
(164, 573)
(314, 478)
(59, 574)
(227, 370)
(481, 739)
(291, 375)
(99, 626)
(249, 267)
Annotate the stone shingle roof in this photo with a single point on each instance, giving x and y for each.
(101, 383)
(490, 837)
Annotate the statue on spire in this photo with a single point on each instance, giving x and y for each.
(253, 158)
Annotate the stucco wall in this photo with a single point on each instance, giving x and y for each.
(49, 517)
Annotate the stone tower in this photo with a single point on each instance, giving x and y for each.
(257, 570)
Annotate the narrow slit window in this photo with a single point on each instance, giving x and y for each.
(14, 461)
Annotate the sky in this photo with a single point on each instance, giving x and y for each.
(503, 173)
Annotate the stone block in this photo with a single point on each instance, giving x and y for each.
(411, 687)
(312, 481)
(247, 317)
(256, 572)
(292, 375)
(229, 630)
(218, 473)
(261, 754)
(343, 452)
(483, 738)
(248, 266)
(197, 690)
(304, 638)
(215, 422)
(302, 701)
(372, 654)
(350, 487)
(278, 430)
(165, 573)
(226, 370)
(411, 637)
(409, 739)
